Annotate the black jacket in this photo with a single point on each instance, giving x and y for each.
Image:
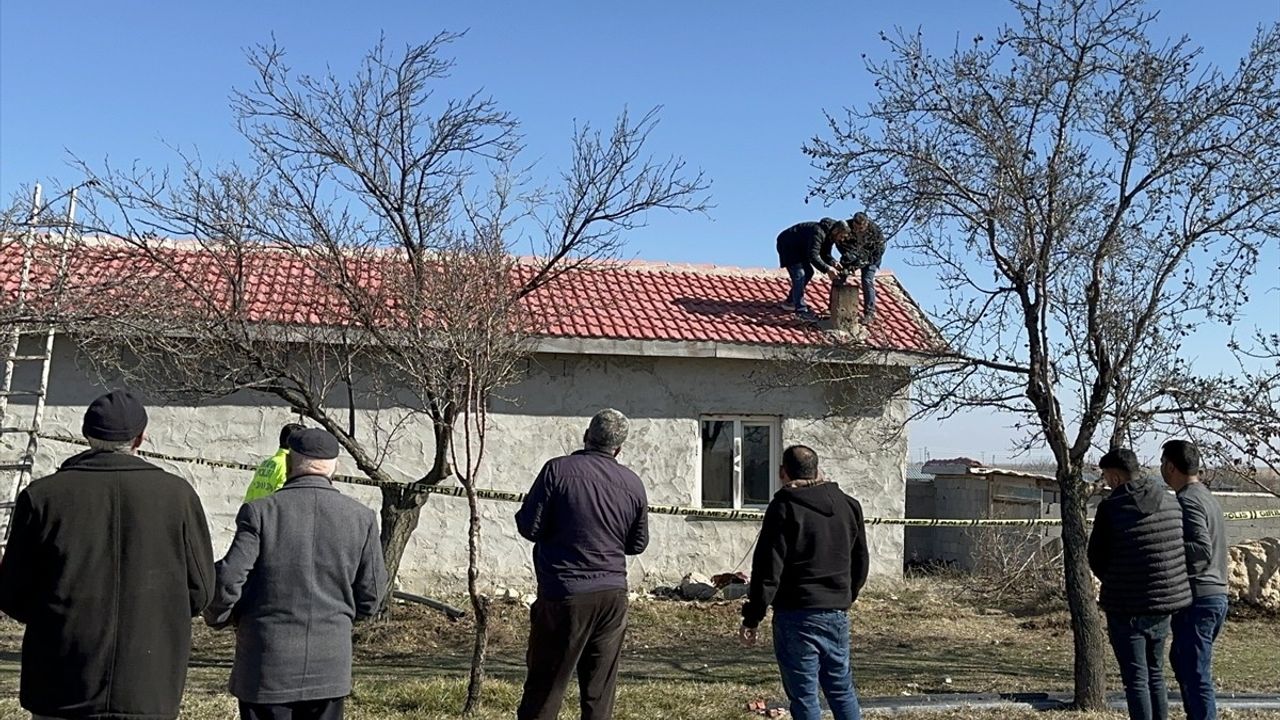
(802, 244)
(859, 249)
(1136, 550)
(585, 513)
(108, 560)
(811, 555)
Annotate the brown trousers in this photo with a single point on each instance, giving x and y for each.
(582, 632)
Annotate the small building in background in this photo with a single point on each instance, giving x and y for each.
(963, 488)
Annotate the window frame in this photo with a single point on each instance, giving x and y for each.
(774, 423)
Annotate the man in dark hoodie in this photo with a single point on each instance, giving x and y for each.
(1136, 551)
(1195, 628)
(802, 248)
(108, 560)
(810, 563)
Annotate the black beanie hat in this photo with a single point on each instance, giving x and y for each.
(115, 417)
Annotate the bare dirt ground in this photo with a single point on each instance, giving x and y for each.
(682, 660)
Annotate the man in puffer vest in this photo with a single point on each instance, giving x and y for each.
(1136, 550)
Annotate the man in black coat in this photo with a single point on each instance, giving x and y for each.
(801, 249)
(585, 513)
(810, 563)
(1136, 551)
(107, 562)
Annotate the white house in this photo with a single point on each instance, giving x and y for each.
(684, 351)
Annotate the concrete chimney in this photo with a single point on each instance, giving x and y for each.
(846, 308)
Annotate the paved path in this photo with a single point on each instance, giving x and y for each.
(1034, 701)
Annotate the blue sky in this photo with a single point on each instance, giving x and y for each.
(742, 85)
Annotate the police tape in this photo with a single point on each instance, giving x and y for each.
(696, 513)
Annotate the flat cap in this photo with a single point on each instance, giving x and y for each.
(115, 417)
(314, 443)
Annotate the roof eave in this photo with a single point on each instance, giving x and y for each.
(702, 349)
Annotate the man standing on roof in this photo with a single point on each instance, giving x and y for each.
(804, 247)
(810, 562)
(861, 252)
(270, 474)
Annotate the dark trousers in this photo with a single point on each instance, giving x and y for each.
(867, 275)
(583, 633)
(1138, 641)
(801, 274)
(305, 710)
(812, 647)
(1191, 652)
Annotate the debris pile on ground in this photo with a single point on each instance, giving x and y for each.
(1253, 574)
(513, 596)
(697, 587)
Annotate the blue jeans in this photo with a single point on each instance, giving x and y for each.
(801, 274)
(812, 647)
(1194, 630)
(1138, 641)
(869, 288)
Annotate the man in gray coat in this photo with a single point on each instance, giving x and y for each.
(304, 565)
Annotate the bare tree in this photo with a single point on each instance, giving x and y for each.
(406, 214)
(1088, 196)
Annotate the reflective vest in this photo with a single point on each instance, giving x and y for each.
(268, 477)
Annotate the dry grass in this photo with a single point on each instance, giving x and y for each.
(682, 661)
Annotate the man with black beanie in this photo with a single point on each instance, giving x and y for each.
(107, 562)
(1135, 549)
(811, 560)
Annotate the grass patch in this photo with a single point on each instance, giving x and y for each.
(682, 661)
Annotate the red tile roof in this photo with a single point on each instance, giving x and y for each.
(628, 301)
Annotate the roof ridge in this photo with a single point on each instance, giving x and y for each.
(635, 264)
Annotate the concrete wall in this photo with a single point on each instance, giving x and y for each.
(1239, 531)
(542, 417)
(957, 497)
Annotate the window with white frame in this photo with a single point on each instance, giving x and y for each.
(740, 459)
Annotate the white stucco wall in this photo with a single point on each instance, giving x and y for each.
(542, 417)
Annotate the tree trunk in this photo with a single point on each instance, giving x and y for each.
(402, 506)
(479, 605)
(401, 509)
(1091, 657)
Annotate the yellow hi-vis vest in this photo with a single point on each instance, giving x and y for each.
(268, 477)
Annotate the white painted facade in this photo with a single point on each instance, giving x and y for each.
(666, 396)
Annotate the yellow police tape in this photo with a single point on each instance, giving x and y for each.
(707, 513)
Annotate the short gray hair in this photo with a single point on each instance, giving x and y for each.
(608, 430)
(120, 446)
(306, 465)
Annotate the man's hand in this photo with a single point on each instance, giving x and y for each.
(747, 636)
(833, 273)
